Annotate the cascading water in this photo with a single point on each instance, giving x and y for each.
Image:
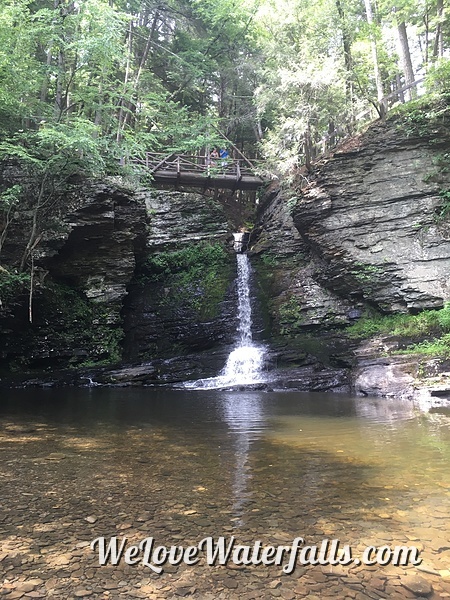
(245, 362)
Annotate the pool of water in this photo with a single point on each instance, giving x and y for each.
(182, 465)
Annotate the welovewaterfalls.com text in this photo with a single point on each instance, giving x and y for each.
(226, 550)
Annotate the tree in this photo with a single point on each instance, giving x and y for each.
(279, 77)
(406, 57)
(373, 44)
(307, 95)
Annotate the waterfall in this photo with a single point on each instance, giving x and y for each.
(241, 240)
(245, 362)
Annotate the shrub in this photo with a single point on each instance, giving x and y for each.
(431, 323)
(438, 78)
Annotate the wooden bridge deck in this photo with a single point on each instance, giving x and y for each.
(200, 171)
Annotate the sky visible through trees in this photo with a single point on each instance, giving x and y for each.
(86, 82)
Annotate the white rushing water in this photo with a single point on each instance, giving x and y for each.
(245, 362)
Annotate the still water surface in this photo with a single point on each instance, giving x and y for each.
(181, 465)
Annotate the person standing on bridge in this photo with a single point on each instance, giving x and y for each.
(212, 157)
(224, 156)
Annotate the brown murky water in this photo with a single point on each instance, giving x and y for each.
(180, 466)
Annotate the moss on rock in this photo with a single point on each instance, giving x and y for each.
(67, 330)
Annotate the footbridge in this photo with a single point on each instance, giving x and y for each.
(201, 171)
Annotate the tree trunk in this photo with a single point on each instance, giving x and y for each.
(123, 116)
(60, 77)
(125, 84)
(346, 43)
(34, 238)
(99, 110)
(259, 134)
(59, 86)
(308, 148)
(331, 134)
(399, 85)
(406, 59)
(425, 49)
(373, 44)
(8, 217)
(438, 47)
(44, 87)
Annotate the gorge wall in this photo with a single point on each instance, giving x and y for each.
(136, 285)
(364, 234)
(123, 275)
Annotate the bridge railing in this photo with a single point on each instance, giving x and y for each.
(202, 164)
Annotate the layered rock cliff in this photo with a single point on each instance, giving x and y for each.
(371, 217)
(123, 274)
(181, 300)
(365, 233)
(82, 267)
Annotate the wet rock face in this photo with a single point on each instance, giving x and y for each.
(370, 217)
(182, 297)
(159, 325)
(179, 218)
(294, 302)
(106, 234)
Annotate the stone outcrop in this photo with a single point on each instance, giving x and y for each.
(83, 265)
(96, 299)
(178, 218)
(363, 230)
(370, 216)
(103, 237)
(287, 266)
(182, 299)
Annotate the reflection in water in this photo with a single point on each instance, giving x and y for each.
(244, 415)
(363, 436)
(384, 411)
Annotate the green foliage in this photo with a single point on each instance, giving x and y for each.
(434, 324)
(11, 284)
(268, 259)
(48, 158)
(75, 322)
(438, 78)
(316, 77)
(442, 212)
(443, 317)
(144, 76)
(131, 77)
(436, 347)
(366, 275)
(290, 315)
(56, 150)
(423, 117)
(10, 197)
(399, 324)
(184, 259)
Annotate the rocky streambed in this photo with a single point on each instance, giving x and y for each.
(82, 464)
